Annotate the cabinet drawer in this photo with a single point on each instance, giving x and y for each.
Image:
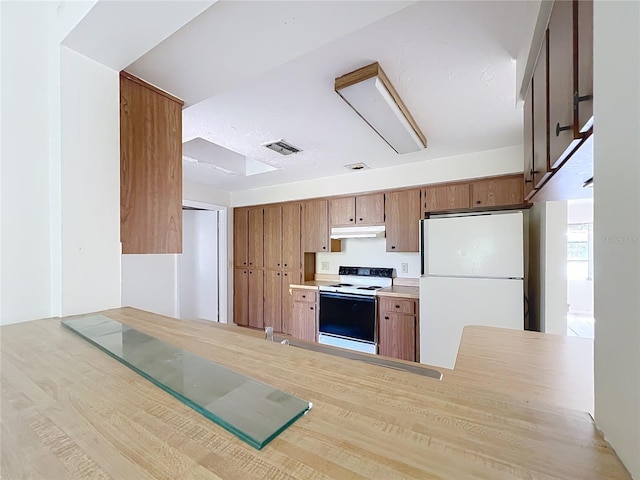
(398, 305)
(304, 295)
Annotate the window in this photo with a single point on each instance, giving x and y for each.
(580, 251)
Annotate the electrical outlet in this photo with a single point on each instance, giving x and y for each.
(325, 266)
(404, 268)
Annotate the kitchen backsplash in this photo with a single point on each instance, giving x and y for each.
(368, 252)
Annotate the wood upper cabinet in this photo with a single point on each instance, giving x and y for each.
(315, 227)
(273, 237)
(273, 299)
(150, 168)
(398, 328)
(358, 210)
(291, 236)
(241, 296)
(303, 315)
(256, 237)
(585, 64)
(528, 142)
(445, 197)
(496, 192)
(561, 82)
(541, 168)
(241, 236)
(402, 213)
(256, 298)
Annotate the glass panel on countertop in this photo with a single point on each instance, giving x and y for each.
(251, 410)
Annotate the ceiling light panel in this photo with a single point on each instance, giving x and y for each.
(370, 93)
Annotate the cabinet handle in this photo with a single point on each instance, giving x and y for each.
(562, 129)
(285, 264)
(351, 219)
(244, 263)
(397, 306)
(278, 273)
(528, 180)
(285, 274)
(324, 248)
(386, 318)
(478, 202)
(360, 219)
(393, 247)
(278, 265)
(250, 263)
(577, 99)
(304, 296)
(310, 308)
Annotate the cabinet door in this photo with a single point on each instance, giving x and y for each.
(273, 237)
(273, 299)
(291, 236)
(561, 121)
(256, 237)
(303, 321)
(497, 192)
(342, 211)
(541, 160)
(288, 277)
(150, 168)
(370, 209)
(241, 296)
(241, 236)
(256, 298)
(528, 142)
(585, 64)
(402, 218)
(446, 197)
(315, 226)
(397, 336)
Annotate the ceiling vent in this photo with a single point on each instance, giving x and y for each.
(356, 166)
(282, 147)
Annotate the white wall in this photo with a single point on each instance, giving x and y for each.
(368, 252)
(90, 185)
(25, 258)
(205, 193)
(555, 268)
(491, 162)
(617, 227)
(150, 282)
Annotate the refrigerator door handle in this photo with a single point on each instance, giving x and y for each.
(422, 247)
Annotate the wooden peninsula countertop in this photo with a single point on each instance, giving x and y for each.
(70, 411)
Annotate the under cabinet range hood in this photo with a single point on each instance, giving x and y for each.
(376, 231)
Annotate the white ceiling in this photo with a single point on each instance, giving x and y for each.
(252, 72)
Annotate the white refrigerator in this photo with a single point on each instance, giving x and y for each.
(472, 274)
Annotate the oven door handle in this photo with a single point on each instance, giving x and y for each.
(349, 296)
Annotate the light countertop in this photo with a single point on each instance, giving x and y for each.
(393, 291)
(71, 411)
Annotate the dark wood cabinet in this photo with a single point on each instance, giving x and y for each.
(273, 299)
(273, 237)
(241, 237)
(291, 236)
(256, 237)
(402, 212)
(541, 168)
(528, 143)
(241, 296)
(398, 328)
(150, 168)
(288, 277)
(561, 82)
(497, 192)
(585, 64)
(256, 298)
(445, 197)
(303, 317)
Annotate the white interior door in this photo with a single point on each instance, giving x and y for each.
(198, 283)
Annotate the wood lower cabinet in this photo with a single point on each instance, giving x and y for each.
(445, 197)
(497, 192)
(241, 297)
(256, 298)
(273, 300)
(288, 277)
(150, 168)
(402, 212)
(398, 328)
(303, 323)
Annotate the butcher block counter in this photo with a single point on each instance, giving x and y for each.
(69, 411)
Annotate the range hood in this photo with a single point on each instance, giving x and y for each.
(376, 231)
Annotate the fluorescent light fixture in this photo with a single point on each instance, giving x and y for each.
(370, 93)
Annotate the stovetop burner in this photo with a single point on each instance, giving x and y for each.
(371, 287)
(342, 285)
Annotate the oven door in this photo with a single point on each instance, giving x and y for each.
(348, 316)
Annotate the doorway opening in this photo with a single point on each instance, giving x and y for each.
(580, 319)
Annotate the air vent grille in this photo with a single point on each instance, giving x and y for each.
(282, 147)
